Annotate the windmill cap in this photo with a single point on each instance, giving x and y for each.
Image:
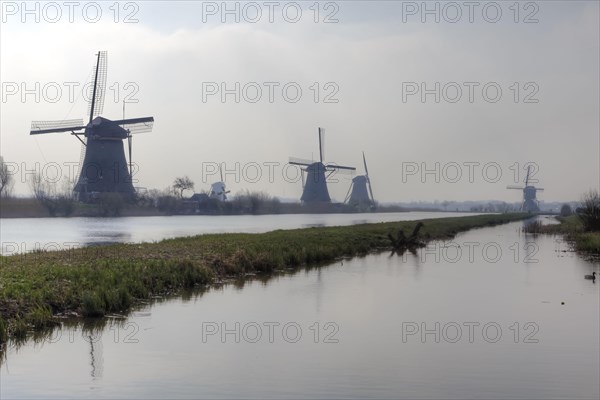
(105, 128)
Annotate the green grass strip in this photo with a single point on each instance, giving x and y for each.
(95, 281)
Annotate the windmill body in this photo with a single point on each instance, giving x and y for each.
(360, 192)
(217, 191)
(104, 168)
(530, 203)
(315, 187)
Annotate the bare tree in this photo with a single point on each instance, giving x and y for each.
(183, 183)
(6, 179)
(589, 212)
(55, 200)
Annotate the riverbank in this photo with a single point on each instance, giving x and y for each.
(37, 289)
(244, 205)
(571, 228)
(32, 208)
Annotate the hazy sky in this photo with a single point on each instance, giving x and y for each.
(374, 63)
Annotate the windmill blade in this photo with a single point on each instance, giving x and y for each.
(340, 171)
(340, 167)
(539, 189)
(67, 125)
(527, 177)
(130, 145)
(515, 187)
(348, 194)
(300, 161)
(221, 173)
(322, 144)
(368, 179)
(302, 178)
(136, 125)
(98, 86)
(370, 189)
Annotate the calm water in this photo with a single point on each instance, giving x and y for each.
(369, 345)
(19, 235)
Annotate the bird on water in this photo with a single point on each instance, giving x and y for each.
(592, 276)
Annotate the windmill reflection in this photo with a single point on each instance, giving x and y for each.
(92, 333)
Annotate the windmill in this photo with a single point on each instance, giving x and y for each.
(314, 188)
(217, 189)
(358, 195)
(530, 203)
(103, 167)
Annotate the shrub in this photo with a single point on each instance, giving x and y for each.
(168, 204)
(589, 212)
(3, 331)
(565, 210)
(92, 305)
(111, 204)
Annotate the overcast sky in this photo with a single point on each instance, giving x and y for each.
(372, 64)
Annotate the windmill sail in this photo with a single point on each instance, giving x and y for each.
(136, 125)
(341, 168)
(97, 88)
(527, 178)
(67, 125)
(321, 144)
(300, 161)
(368, 178)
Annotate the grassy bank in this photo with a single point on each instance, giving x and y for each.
(572, 228)
(36, 288)
(32, 208)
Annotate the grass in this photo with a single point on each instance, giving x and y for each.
(37, 287)
(572, 228)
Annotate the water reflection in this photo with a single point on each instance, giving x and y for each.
(95, 238)
(369, 298)
(96, 356)
(315, 225)
(26, 234)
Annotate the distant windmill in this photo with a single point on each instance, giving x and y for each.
(530, 203)
(357, 193)
(217, 189)
(104, 168)
(315, 186)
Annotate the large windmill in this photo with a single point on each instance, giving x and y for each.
(358, 195)
(315, 186)
(530, 203)
(104, 168)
